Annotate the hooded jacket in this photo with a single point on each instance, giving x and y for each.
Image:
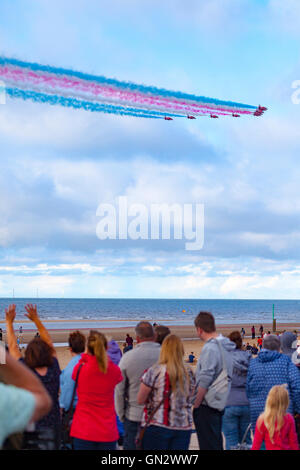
(114, 352)
(288, 341)
(210, 362)
(241, 360)
(271, 368)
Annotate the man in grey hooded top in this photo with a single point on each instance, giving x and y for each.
(214, 364)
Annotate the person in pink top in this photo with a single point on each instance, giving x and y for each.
(275, 427)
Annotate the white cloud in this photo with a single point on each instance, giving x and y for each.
(152, 268)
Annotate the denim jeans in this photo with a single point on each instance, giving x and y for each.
(160, 438)
(235, 422)
(130, 434)
(208, 424)
(81, 444)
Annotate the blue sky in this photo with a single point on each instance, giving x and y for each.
(58, 165)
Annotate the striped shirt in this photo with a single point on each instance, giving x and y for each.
(176, 409)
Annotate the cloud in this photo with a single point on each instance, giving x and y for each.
(152, 269)
(58, 165)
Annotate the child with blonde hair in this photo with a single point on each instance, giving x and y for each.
(275, 426)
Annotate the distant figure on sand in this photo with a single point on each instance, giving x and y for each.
(261, 330)
(259, 343)
(191, 358)
(253, 332)
(129, 341)
(126, 348)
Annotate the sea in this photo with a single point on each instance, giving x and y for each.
(66, 313)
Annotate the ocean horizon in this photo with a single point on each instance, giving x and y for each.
(86, 313)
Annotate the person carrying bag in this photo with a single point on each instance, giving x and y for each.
(217, 393)
(140, 436)
(213, 376)
(167, 390)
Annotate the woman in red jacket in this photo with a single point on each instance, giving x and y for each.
(94, 424)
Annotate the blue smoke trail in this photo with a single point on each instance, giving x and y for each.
(86, 105)
(123, 85)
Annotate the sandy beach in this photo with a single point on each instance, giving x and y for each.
(187, 333)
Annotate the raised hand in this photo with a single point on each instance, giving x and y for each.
(31, 312)
(10, 313)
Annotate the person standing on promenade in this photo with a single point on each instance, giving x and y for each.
(275, 426)
(133, 365)
(40, 357)
(215, 362)
(94, 425)
(270, 368)
(168, 386)
(236, 417)
(77, 347)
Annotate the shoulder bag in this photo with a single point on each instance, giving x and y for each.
(217, 393)
(140, 436)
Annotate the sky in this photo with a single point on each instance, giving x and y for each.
(58, 165)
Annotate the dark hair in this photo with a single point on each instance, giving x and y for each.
(235, 337)
(205, 321)
(38, 354)
(144, 330)
(160, 332)
(77, 342)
